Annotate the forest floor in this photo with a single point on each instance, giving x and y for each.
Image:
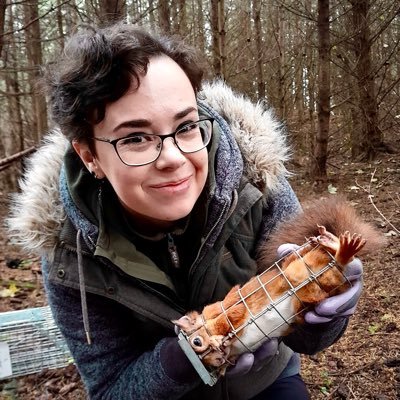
(363, 364)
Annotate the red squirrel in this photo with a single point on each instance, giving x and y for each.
(333, 231)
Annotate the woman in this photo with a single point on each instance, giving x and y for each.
(148, 201)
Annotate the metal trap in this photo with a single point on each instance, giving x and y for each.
(30, 342)
(210, 375)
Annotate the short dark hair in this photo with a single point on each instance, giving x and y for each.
(99, 65)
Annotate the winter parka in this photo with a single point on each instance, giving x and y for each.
(103, 290)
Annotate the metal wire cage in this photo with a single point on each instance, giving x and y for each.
(30, 342)
(275, 305)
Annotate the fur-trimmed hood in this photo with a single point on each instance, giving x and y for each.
(37, 213)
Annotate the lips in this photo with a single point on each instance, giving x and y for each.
(171, 183)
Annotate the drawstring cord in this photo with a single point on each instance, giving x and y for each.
(82, 287)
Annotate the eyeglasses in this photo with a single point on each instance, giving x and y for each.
(141, 148)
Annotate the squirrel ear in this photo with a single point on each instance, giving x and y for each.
(185, 323)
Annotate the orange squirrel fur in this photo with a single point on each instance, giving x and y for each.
(334, 228)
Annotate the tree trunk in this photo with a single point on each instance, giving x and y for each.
(367, 141)
(318, 164)
(60, 24)
(180, 18)
(201, 40)
(3, 6)
(34, 53)
(218, 37)
(310, 78)
(256, 6)
(281, 32)
(152, 18)
(112, 11)
(299, 79)
(164, 16)
(12, 138)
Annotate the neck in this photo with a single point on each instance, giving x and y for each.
(150, 227)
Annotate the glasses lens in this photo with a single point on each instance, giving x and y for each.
(194, 136)
(139, 149)
(143, 149)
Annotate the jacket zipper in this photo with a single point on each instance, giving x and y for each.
(196, 261)
(173, 252)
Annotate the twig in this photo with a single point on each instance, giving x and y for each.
(380, 213)
(365, 366)
(336, 389)
(370, 196)
(16, 156)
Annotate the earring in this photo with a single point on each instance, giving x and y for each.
(93, 174)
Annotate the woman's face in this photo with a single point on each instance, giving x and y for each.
(167, 189)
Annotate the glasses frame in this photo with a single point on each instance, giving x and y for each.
(114, 142)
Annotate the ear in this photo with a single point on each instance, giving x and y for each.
(87, 157)
(188, 322)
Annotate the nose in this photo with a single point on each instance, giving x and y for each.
(171, 156)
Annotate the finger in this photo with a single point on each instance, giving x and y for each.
(267, 349)
(340, 303)
(354, 270)
(286, 248)
(311, 317)
(243, 365)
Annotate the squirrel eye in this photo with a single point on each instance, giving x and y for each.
(197, 342)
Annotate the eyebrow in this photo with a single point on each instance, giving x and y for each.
(141, 123)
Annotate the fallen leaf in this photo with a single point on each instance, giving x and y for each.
(332, 189)
(68, 388)
(10, 291)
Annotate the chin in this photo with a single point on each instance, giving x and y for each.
(177, 215)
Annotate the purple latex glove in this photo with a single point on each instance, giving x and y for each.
(342, 305)
(254, 361)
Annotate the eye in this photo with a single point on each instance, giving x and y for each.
(187, 127)
(135, 139)
(197, 342)
(139, 142)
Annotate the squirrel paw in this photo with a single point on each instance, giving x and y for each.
(327, 239)
(350, 245)
(216, 342)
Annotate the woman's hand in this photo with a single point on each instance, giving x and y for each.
(254, 361)
(342, 305)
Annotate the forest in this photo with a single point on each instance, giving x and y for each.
(330, 70)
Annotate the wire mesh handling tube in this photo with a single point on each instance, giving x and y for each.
(274, 303)
(34, 341)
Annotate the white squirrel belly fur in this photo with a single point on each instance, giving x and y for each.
(271, 323)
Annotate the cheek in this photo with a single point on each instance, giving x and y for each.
(200, 164)
(126, 184)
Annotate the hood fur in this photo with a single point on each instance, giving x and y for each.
(37, 214)
(260, 136)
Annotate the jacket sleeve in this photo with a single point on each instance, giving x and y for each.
(306, 338)
(310, 339)
(115, 365)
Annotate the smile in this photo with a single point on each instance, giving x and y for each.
(173, 186)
